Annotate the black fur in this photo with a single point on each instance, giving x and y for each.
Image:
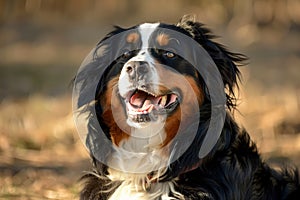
(234, 168)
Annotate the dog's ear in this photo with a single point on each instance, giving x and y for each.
(226, 61)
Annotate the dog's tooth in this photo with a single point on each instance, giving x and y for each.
(150, 109)
(163, 100)
(145, 105)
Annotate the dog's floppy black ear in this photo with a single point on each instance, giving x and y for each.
(226, 61)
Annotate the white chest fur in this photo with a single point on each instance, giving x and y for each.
(141, 153)
(139, 187)
(134, 159)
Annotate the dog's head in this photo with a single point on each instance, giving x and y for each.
(151, 92)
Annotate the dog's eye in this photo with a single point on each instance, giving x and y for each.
(169, 54)
(127, 54)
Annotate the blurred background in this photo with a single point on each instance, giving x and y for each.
(43, 42)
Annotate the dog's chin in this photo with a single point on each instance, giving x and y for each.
(145, 120)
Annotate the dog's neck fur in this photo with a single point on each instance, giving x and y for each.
(141, 153)
(136, 158)
(136, 187)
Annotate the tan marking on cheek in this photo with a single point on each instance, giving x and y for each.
(132, 38)
(117, 134)
(172, 126)
(110, 101)
(169, 80)
(163, 39)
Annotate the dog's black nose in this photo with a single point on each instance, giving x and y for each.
(137, 69)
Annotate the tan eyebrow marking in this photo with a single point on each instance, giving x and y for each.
(132, 37)
(163, 39)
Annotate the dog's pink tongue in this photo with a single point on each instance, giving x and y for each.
(142, 99)
(138, 99)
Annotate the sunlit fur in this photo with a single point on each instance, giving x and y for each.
(232, 170)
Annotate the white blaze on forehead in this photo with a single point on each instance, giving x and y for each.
(146, 30)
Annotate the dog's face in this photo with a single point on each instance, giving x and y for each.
(152, 88)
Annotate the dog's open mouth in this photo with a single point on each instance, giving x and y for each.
(143, 106)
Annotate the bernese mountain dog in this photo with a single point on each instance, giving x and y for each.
(157, 101)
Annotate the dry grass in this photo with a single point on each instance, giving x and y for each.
(273, 121)
(41, 157)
